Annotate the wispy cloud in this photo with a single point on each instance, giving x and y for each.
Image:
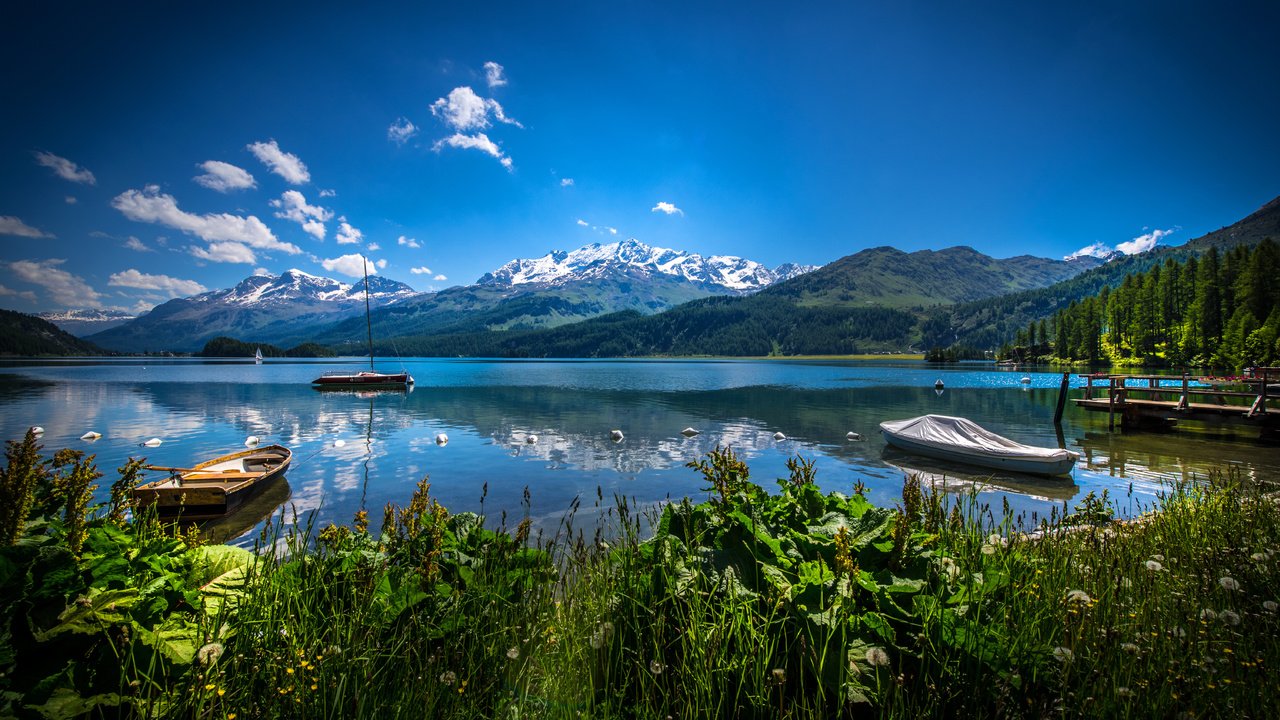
(666, 207)
(424, 270)
(173, 287)
(612, 231)
(408, 242)
(65, 289)
(136, 245)
(24, 294)
(493, 74)
(440, 278)
(350, 265)
(225, 252)
(480, 142)
(373, 247)
(401, 130)
(224, 177)
(583, 223)
(286, 165)
(328, 193)
(348, 235)
(71, 199)
(65, 169)
(10, 225)
(293, 206)
(566, 182)
(223, 229)
(1140, 244)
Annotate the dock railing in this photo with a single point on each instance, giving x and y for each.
(1194, 394)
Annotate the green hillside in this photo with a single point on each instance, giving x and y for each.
(27, 336)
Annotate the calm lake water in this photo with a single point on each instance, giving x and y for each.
(488, 408)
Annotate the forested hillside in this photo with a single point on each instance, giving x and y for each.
(27, 335)
(1215, 310)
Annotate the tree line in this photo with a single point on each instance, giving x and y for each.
(1216, 310)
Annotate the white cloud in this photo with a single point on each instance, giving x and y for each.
(566, 182)
(71, 199)
(1140, 244)
(582, 222)
(493, 74)
(134, 243)
(348, 235)
(1143, 243)
(65, 288)
(228, 252)
(224, 177)
(407, 242)
(151, 205)
(382, 264)
(286, 165)
(440, 278)
(261, 272)
(350, 265)
(612, 231)
(666, 207)
(293, 206)
(173, 287)
(464, 110)
(479, 141)
(424, 270)
(374, 247)
(328, 193)
(65, 169)
(24, 294)
(401, 130)
(10, 225)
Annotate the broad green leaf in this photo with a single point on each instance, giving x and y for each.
(177, 639)
(67, 704)
(93, 614)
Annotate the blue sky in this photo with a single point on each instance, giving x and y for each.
(155, 150)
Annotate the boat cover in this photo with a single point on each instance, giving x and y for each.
(956, 433)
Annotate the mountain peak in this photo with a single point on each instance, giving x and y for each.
(632, 257)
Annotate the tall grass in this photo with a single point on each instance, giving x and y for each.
(751, 604)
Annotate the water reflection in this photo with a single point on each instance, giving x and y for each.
(490, 409)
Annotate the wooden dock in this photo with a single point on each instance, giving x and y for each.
(1164, 400)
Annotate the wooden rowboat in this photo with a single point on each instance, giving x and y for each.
(214, 488)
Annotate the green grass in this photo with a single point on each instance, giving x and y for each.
(789, 604)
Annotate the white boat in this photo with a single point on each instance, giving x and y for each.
(257, 356)
(964, 441)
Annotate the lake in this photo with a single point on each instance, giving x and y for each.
(489, 409)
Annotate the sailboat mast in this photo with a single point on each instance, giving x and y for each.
(368, 322)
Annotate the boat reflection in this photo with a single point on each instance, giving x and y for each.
(274, 493)
(957, 478)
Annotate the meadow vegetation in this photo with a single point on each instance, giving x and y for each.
(751, 603)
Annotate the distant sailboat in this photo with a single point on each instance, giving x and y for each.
(257, 356)
(365, 378)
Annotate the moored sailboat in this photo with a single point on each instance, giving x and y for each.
(370, 378)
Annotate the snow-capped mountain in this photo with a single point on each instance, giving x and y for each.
(86, 322)
(277, 309)
(724, 273)
(293, 286)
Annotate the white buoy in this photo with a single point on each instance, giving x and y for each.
(1026, 380)
(688, 432)
(779, 436)
(937, 385)
(852, 436)
(441, 438)
(339, 443)
(252, 440)
(616, 435)
(91, 436)
(153, 442)
(531, 439)
(36, 429)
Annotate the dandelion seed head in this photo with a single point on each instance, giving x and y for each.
(448, 677)
(209, 654)
(1130, 648)
(1228, 583)
(1258, 557)
(1079, 597)
(513, 653)
(1269, 605)
(1158, 557)
(778, 676)
(988, 549)
(1154, 565)
(1207, 614)
(1229, 617)
(656, 667)
(877, 657)
(1063, 654)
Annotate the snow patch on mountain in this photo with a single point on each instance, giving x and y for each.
(292, 286)
(733, 274)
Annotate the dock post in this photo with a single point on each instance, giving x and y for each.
(1182, 401)
(1111, 403)
(1062, 398)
